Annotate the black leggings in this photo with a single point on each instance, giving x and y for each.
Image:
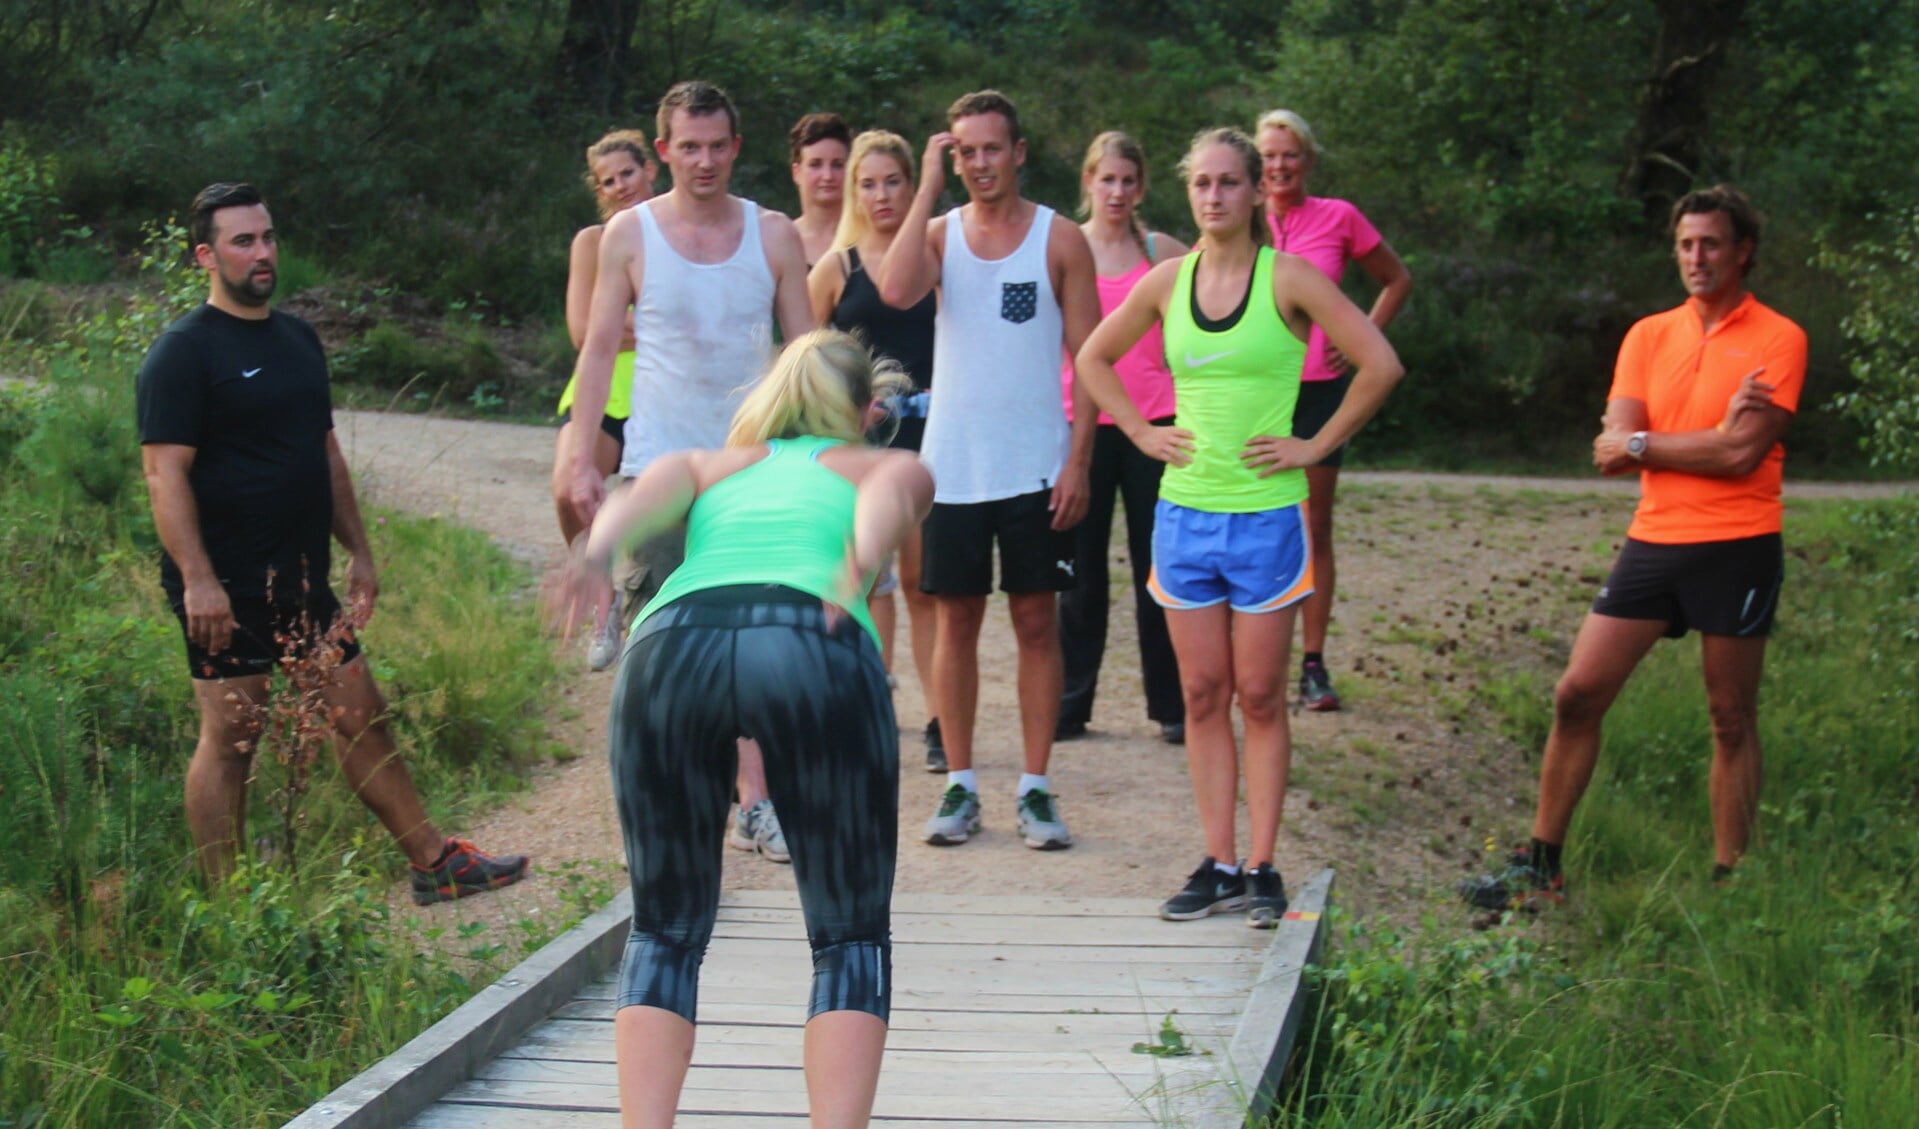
(756, 661)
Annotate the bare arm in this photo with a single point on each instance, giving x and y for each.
(657, 500)
(824, 285)
(786, 255)
(911, 266)
(362, 579)
(1300, 290)
(614, 289)
(1733, 448)
(1079, 313)
(1093, 367)
(582, 266)
(893, 498)
(176, 517)
(1166, 247)
(1395, 282)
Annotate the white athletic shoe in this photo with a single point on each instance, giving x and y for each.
(957, 818)
(758, 829)
(604, 650)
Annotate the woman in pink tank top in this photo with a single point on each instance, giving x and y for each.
(1329, 234)
(1112, 182)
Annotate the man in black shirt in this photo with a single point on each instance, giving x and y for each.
(247, 483)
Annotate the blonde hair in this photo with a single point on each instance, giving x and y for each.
(1248, 153)
(1113, 143)
(821, 384)
(633, 143)
(853, 223)
(1294, 124)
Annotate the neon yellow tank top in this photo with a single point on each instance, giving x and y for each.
(1234, 381)
(784, 520)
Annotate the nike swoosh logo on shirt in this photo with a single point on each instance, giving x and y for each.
(1196, 362)
(249, 373)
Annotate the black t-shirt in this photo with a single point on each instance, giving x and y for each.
(252, 398)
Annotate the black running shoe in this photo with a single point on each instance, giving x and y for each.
(1519, 886)
(1210, 890)
(1316, 688)
(465, 870)
(935, 747)
(1172, 732)
(1265, 897)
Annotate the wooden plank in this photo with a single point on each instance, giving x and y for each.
(409, 1080)
(1059, 1037)
(1077, 1087)
(969, 955)
(974, 904)
(1214, 932)
(976, 1107)
(459, 1116)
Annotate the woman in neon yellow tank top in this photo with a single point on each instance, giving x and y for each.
(1236, 317)
(763, 633)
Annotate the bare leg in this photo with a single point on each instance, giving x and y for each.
(1260, 643)
(373, 769)
(1604, 656)
(1042, 674)
(921, 616)
(885, 615)
(1322, 483)
(751, 781)
(956, 674)
(653, 1047)
(606, 455)
(1733, 665)
(843, 1050)
(216, 790)
(1203, 643)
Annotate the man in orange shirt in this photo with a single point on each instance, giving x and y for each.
(1690, 413)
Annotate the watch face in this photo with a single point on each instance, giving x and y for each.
(1636, 446)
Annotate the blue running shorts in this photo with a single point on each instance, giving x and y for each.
(1257, 562)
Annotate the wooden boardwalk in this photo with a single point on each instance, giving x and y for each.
(1015, 1012)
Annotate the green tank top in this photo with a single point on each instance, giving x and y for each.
(783, 520)
(1232, 382)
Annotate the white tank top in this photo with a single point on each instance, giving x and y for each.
(702, 334)
(996, 427)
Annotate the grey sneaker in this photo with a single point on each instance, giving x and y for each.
(956, 819)
(604, 650)
(1208, 891)
(758, 829)
(1040, 825)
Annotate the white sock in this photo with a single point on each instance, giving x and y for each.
(962, 777)
(1226, 868)
(1028, 782)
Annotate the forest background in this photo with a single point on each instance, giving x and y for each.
(1520, 156)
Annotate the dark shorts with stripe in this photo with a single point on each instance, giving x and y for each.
(1318, 400)
(265, 631)
(1712, 587)
(956, 547)
(613, 427)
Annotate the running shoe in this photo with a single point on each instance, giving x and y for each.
(1316, 691)
(1172, 732)
(1519, 886)
(956, 819)
(1265, 897)
(758, 829)
(935, 747)
(604, 650)
(1210, 890)
(1040, 825)
(464, 870)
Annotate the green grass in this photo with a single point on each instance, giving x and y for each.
(134, 994)
(1784, 998)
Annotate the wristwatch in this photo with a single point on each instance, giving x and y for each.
(1636, 445)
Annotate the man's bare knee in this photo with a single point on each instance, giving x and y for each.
(1577, 701)
(1734, 724)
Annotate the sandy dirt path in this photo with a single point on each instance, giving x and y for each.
(1447, 584)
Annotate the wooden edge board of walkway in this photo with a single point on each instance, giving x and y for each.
(403, 1085)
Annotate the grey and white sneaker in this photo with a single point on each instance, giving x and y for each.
(758, 829)
(604, 650)
(956, 819)
(1208, 891)
(1265, 897)
(1040, 825)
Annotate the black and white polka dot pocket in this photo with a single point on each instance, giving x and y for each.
(1018, 301)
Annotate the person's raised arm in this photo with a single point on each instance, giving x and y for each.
(614, 288)
(1093, 367)
(893, 497)
(911, 266)
(1299, 289)
(362, 579)
(786, 255)
(824, 285)
(1079, 313)
(176, 518)
(657, 500)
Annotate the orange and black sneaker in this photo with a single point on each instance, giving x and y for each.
(465, 870)
(1520, 886)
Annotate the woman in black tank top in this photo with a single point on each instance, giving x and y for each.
(880, 185)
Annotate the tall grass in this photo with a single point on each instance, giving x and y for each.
(1787, 997)
(133, 994)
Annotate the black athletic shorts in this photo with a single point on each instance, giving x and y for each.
(612, 425)
(266, 630)
(956, 547)
(1318, 400)
(1712, 587)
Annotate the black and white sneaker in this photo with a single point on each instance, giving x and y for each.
(1265, 897)
(1210, 890)
(935, 747)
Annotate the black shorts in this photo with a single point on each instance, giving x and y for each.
(1318, 400)
(264, 631)
(1712, 587)
(956, 547)
(613, 426)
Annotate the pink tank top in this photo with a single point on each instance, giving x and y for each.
(1143, 369)
(1329, 234)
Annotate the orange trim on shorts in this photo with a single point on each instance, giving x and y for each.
(1302, 587)
(1166, 599)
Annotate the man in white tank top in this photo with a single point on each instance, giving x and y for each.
(1016, 283)
(704, 272)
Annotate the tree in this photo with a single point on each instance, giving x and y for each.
(596, 48)
(1667, 148)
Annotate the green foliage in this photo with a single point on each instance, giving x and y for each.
(1883, 332)
(28, 204)
(393, 357)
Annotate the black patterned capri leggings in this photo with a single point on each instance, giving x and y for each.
(756, 661)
